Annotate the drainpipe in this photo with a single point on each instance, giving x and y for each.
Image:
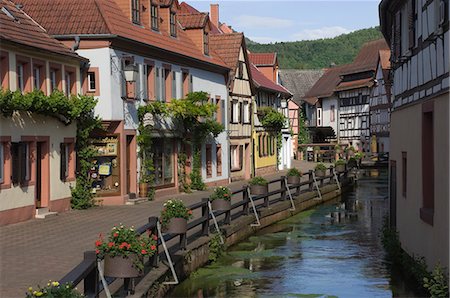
(76, 45)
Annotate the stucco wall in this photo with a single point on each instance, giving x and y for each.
(406, 136)
(36, 125)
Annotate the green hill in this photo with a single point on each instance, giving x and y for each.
(314, 54)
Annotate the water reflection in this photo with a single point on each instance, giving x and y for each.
(333, 250)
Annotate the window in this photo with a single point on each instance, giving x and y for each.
(404, 173)
(241, 113)
(319, 116)
(427, 210)
(246, 112)
(135, 13)
(154, 17)
(206, 43)
(160, 84)
(411, 23)
(64, 160)
(208, 152)
(240, 73)
(36, 78)
(234, 111)
(53, 83)
(350, 124)
(91, 82)
(270, 152)
(236, 156)
(191, 84)
(219, 160)
(2, 163)
(67, 88)
(260, 146)
(20, 78)
(20, 153)
(223, 112)
(332, 118)
(163, 162)
(174, 84)
(173, 24)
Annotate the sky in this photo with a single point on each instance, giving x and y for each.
(273, 21)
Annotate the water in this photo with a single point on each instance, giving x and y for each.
(310, 254)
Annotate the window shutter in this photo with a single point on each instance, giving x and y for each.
(63, 157)
(411, 29)
(397, 35)
(15, 163)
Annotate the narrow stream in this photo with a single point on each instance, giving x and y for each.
(310, 255)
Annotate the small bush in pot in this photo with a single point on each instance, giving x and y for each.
(350, 150)
(221, 198)
(293, 176)
(54, 290)
(340, 165)
(124, 251)
(320, 170)
(174, 216)
(338, 148)
(259, 186)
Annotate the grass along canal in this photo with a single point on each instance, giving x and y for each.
(310, 254)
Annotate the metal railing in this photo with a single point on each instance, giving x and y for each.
(86, 271)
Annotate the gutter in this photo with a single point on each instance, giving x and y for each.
(86, 36)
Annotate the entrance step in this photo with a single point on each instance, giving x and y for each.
(42, 213)
(136, 201)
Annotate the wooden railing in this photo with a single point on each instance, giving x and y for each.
(87, 271)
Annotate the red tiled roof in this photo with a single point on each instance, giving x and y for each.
(26, 31)
(367, 58)
(385, 59)
(261, 81)
(192, 20)
(263, 59)
(367, 82)
(62, 17)
(186, 8)
(225, 28)
(228, 46)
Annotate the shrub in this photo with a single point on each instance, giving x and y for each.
(437, 285)
(294, 172)
(221, 193)
(174, 209)
(258, 181)
(359, 155)
(54, 290)
(340, 162)
(321, 167)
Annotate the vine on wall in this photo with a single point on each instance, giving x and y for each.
(274, 122)
(79, 109)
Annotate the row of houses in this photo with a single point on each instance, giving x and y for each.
(348, 104)
(129, 53)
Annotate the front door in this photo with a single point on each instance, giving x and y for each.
(38, 193)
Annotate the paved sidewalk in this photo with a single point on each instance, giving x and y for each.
(35, 251)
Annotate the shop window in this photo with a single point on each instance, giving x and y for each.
(21, 167)
(208, 152)
(219, 160)
(105, 172)
(163, 163)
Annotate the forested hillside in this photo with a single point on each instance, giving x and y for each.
(314, 54)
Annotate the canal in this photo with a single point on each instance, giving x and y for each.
(316, 253)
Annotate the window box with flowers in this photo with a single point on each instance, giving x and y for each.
(174, 217)
(221, 199)
(259, 186)
(124, 251)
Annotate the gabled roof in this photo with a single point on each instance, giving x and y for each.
(193, 20)
(299, 81)
(367, 58)
(228, 46)
(263, 59)
(188, 9)
(326, 85)
(17, 27)
(261, 81)
(104, 17)
(385, 59)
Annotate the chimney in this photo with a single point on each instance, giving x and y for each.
(214, 14)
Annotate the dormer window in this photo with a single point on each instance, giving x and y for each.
(206, 43)
(154, 16)
(173, 24)
(135, 12)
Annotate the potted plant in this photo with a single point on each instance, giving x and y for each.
(54, 290)
(174, 216)
(359, 156)
(124, 251)
(338, 148)
(259, 186)
(143, 185)
(340, 165)
(320, 170)
(350, 151)
(294, 176)
(221, 199)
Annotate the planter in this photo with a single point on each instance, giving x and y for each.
(121, 267)
(350, 153)
(177, 226)
(293, 179)
(320, 173)
(257, 190)
(340, 168)
(221, 205)
(143, 190)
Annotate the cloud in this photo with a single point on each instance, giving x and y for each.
(265, 39)
(324, 32)
(248, 21)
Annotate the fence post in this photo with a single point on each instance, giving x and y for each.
(283, 188)
(245, 198)
(228, 217)
(266, 201)
(183, 241)
(91, 280)
(154, 230)
(311, 180)
(205, 215)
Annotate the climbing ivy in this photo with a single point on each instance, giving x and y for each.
(274, 122)
(79, 109)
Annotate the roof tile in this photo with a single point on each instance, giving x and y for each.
(263, 59)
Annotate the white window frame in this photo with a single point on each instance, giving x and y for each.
(20, 78)
(53, 80)
(246, 107)
(236, 111)
(174, 85)
(36, 78)
(67, 81)
(319, 116)
(234, 153)
(91, 74)
(2, 163)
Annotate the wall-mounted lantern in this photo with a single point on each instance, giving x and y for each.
(130, 72)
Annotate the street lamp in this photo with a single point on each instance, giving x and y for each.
(130, 72)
